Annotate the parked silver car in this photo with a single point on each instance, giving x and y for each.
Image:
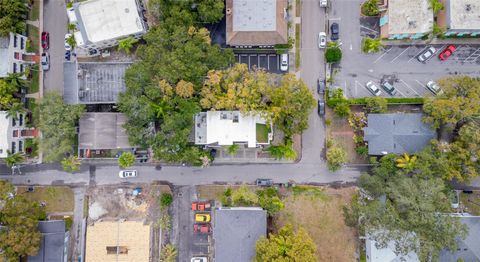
(45, 61)
(373, 88)
(434, 87)
(322, 40)
(425, 55)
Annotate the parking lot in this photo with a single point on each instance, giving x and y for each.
(268, 61)
(400, 65)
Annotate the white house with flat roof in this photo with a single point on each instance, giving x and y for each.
(404, 19)
(12, 54)
(101, 23)
(462, 17)
(225, 128)
(13, 133)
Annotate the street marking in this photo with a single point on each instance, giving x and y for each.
(351, 47)
(409, 87)
(380, 57)
(356, 90)
(399, 54)
(369, 29)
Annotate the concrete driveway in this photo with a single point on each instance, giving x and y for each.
(55, 22)
(312, 67)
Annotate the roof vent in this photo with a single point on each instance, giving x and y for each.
(126, 10)
(229, 11)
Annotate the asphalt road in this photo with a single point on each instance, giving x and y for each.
(312, 67)
(55, 22)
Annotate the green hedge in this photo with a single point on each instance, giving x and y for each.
(391, 101)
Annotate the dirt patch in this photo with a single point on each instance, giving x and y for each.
(470, 203)
(55, 199)
(319, 211)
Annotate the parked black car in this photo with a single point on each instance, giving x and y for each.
(320, 86)
(67, 55)
(335, 31)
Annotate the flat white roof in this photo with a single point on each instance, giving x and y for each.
(109, 19)
(464, 14)
(4, 133)
(409, 16)
(254, 15)
(4, 59)
(226, 128)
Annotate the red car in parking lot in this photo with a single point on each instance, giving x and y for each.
(447, 52)
(201, 228)
(45, 40)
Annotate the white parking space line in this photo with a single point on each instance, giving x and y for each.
(406, 49)
(380, 57)
(415, 56)
(356, 90)
(369, 29)
(409, 87)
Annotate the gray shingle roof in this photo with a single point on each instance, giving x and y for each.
(468, 249)
(52, 245)
(397, 133)
(236, 230)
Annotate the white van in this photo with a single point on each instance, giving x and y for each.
(323, 3)
(284, 62)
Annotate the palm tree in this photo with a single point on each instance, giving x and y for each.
(406, 162)
(232, 150)
(15, 80)
(14, 110)
(371, 45)
(13, 159)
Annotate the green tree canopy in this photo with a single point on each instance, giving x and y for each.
(71, 164)
(333, 54)
(13, 14)
(7, 91)
(19, 237)
(57, 124)
(370, 8)
(126, 159)
(336, 157)
(287, 246)
(412, 214)
(126, 44)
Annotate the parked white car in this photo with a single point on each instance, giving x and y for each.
(434, 87)
(322, 40)
(45, 61)
(373, 88)
(323, 3)
(199, 259)
(127, 173)
(425, 55)
(284, 62)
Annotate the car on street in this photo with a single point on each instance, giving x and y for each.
(264, 182)
(68, 47)
(447, 52)
(45, 61)
(199, 259)
(425, 55)
(322, 40)
(127, 173)
(373, 88)
(323, 3)
(202, 218)
(284, 62)
(389, 88)
(201, 228)
(335, 31)
(321, 107)
(45, 40)
(67, 55)
(320, 86)
(434, 87)
(201, 206)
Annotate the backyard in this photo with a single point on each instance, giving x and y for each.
(34, 11)
(56, 199)
(262, 133)
(318, 210)
(34, 39)
(470, 202)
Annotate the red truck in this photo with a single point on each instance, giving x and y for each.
(201, 228)
(201, 206)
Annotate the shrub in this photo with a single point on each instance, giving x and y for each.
(336, 157)
(370, 45)
(357, 139)
(362, 150)
(376, 104)
(342, 109)
(333, 54)
(68, 223)
(166, 200)
(329, 142)
(370, 8)
(126, 159)
(328, 121)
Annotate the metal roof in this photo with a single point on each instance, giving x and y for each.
(102, 131)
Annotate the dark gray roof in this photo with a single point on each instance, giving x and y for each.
(468, 249)
(397, 133)
(54, 242)
(94, 82)
(236, 230)
(102, 131)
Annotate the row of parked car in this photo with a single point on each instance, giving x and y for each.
(45, 58)
(430, 51)
(388, 87)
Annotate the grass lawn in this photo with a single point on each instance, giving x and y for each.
(262, 133)
(34, 37)
(471, 202)
(298, 8)
(33, 14)
(297, 46)
(33, 87)
(318, 210)
(57, 199)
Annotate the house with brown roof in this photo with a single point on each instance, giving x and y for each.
(256, 23)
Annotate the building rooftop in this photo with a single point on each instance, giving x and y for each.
(397, 133)
(468, 249)
(116, 241)
(101, 20)
(94, 83)
(4, 61)
(236, 230)
(52, 245)
(102, 131)
(5, 132)
(227, 127)
(256, 23)
(409, 16)
(463, 14)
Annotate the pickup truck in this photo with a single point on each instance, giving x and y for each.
(201, 206)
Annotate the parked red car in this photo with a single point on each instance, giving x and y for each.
(45, 40)
(201, 206)
(447, 52)
(201, 228)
